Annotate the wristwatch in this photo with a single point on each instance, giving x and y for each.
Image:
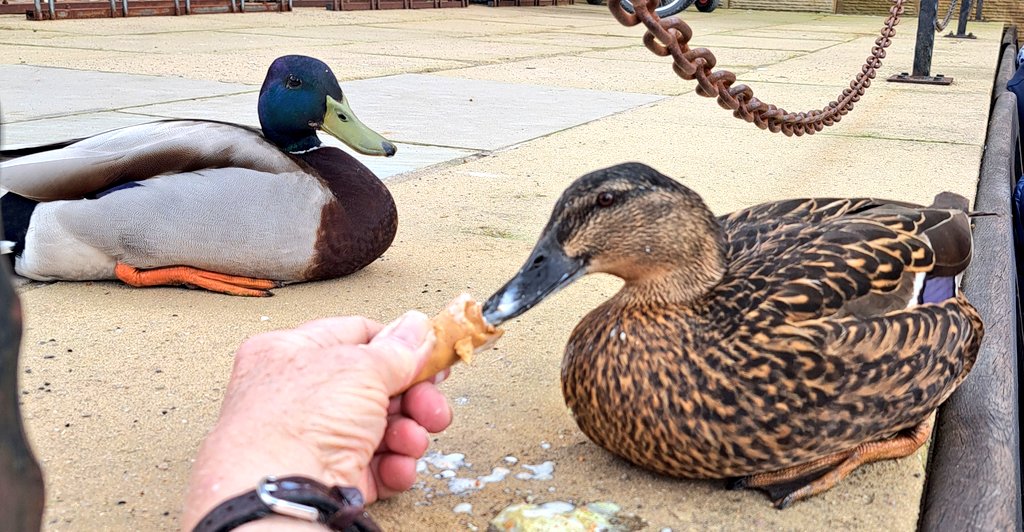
(338, 508)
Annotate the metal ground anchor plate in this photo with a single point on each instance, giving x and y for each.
(952, 35)
(903, 77)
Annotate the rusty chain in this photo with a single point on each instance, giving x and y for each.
(670, 37)
(939, 26)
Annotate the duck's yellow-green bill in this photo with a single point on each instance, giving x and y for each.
(342, 123)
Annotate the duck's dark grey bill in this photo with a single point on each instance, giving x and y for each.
(547, 271)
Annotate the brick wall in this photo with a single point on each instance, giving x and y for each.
(821, 6)
(1011, 11)
(881, 7)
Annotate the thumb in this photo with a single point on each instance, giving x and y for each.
(401, 350)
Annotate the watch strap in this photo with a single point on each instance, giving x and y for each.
(338, 508)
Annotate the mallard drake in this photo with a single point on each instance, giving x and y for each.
(208, 204)
(785, 344)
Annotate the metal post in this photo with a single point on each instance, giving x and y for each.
(961, 27)
(177, 7)
(188, 7)
(977, 12)
(925, 37)
(124, 4)
(113, 8)
(923, 49)
(39, 10)
(53, 10)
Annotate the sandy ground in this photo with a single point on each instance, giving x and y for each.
(120, 384)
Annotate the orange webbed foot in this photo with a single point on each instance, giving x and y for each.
(185, 275)
(792, 484)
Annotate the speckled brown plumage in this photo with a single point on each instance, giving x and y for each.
(763, 339)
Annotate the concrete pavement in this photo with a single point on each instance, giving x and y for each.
(495, 112)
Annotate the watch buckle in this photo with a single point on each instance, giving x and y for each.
(265, 489)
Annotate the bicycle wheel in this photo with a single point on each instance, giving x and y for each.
(667, 7)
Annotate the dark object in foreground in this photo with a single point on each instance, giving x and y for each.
(787, 343)
(21, 481)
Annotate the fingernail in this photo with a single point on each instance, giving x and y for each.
(442, 375)
(410, 329)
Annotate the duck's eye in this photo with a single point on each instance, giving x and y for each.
(293, 82)
(605, 199)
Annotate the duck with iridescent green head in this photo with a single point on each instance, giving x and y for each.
(209, 204)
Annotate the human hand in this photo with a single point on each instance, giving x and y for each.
(324, 401)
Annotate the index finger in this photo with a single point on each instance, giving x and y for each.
(346, 330)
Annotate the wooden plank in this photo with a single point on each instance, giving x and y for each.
(974, 478)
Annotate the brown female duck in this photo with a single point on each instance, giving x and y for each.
(785, 344)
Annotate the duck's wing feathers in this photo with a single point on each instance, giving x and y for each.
(228, 220)
(749, 228)
(94, 164)
(868, 261)
(856, 380)
(812, 210)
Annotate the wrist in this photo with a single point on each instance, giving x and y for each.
(232, 461)
(300, 499)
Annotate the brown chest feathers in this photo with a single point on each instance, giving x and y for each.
(361, 222)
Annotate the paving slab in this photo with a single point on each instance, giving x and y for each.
(136, 376)
(844, 24)
(458, 26)
(342, 32)
(410, 107)
(32, 92)
(42, 131)
(188, 42)
(232, 67)
(582, 72)
(491, 115)
(951, 56)
(946, 124)
(730, 58)
(796, 35)
(21, 36)
(464, 49)
(585, 41)
(777, 42)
